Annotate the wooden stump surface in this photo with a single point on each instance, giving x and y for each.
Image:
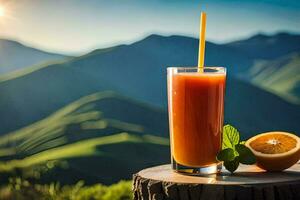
(247, 183)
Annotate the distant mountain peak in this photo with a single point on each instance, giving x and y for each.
(12, 43)
(258, 36)
(282, 34)
(158, 37)
(155, 36)
(265, 46)
(2, 40)
(18, 56)
(264, 36)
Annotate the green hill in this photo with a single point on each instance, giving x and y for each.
(99, 137)
(280, 76)
(253, 110)
(35, 95)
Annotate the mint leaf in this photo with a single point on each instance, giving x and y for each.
(234, 151)
(232, 165)
(245, 154)
(231, 137)
(226, 155)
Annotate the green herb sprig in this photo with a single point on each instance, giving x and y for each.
(233, 150)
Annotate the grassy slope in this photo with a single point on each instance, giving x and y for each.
(34, 96)
(87, 131)
(276, 66)
(281, 76)
(83, 148)
(253, 110)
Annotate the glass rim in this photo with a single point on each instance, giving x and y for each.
(205, 67)
(218, 69)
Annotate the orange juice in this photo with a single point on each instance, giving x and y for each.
(196, 112)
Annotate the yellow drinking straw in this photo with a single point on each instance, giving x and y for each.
(202, 41)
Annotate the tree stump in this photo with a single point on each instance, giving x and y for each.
(247, 183)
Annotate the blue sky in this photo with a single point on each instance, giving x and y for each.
(77, 26)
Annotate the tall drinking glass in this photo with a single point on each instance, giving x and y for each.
(196, 113)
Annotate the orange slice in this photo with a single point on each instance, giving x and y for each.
(275, 151)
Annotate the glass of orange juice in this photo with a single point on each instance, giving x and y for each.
(196, 113)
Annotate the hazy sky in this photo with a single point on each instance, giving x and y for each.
(77, 26)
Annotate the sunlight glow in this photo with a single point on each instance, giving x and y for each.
(2, 11)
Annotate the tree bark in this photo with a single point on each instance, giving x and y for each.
(161, 183)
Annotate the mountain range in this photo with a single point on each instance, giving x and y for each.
(63, 111)
(139, 71)
(262, 46)
(15, 56)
